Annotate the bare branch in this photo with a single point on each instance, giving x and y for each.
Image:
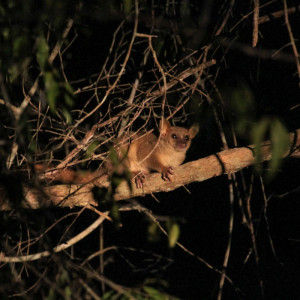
(56, 249)
(277, 14)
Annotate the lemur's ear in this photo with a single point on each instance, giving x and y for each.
(164, 126)
(193, 130)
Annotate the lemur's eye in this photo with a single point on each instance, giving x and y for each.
(186, 138)
(174, 136)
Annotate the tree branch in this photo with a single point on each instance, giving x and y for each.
(224, 162)
(59, 248)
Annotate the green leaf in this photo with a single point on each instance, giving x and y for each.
(185, 9)
(113, 157)
(14, 71)
(241, 107)
(64, 278)
(159, 44)
(2, 11)
(68, 292)
(91, 149)
(258, 135)
(154, 293)
(33, 146)
(67, 115)
(280, 144)
(153, 232)
(20, 43)
(242, 101)
(174, 232)
(69, 95)
(108, 295)
(127, 5)
(114, 212)
(279, 140)
(51, 295)
(52, 89)
(42, 54)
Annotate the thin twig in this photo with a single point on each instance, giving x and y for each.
(278, 14)
(289, 29)
(59, 248)
(255, 23)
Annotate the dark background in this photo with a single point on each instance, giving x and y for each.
(203, 213)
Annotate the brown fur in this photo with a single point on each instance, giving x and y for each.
(148, 153)
(144, 154)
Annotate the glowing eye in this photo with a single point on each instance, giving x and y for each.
(174, 136)
(186, 138)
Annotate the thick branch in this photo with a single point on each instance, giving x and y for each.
(225, 162)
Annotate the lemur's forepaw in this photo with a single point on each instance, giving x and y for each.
(167, 173)
(139, 180)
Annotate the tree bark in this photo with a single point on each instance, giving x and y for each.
(224, 162)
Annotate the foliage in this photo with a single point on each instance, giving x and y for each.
(278, 138)
(75, 76)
